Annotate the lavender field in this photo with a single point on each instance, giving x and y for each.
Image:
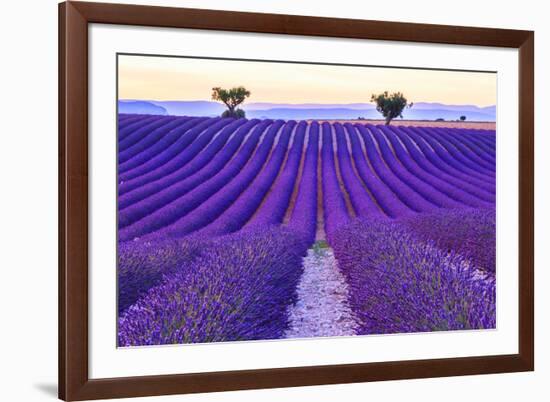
(255, 229)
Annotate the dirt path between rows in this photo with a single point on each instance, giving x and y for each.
(322, 308)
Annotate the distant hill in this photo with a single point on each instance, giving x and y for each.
(267, 106)
(191, 108)
(345, 114)
(459, 108)
(305, 114)
(140, 107)
(447, 114)
(420, 110)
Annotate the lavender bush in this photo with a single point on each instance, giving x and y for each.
(212, 208)
(274, 206)
(334, 205)
(143, 264)
(362, 202)
(195, 143)
(215, 216)
(242, 209)
(303, 219)
(399, 284)
(410, 164)
(168, 187)
(444, 162)
(164, 142)
(147, 141)
(239, 289)
(185, 135)
(473, 143)
(386, 198)
(408, 196)
(127, 135)
(197, 193)
(395, 135)
(427, 191)
(125, 120)
(468, 149)
(452, 156)
(468, 232)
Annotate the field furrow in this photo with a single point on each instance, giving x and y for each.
(179, 207)
(236, 229)
(193, 143)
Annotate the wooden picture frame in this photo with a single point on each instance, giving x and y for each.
(74, 381)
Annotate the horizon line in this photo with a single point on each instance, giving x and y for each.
(300, 103)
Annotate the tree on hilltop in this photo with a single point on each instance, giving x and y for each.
(231, 98)
(391, 106)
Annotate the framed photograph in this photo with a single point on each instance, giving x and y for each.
(261, 200)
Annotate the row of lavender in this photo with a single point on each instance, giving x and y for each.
(184, 182)
(391, 171)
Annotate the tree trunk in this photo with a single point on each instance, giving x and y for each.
(388, 120)
(229, 107)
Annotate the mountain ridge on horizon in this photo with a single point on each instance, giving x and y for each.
(272, 110)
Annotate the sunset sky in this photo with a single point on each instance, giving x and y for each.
(173, 78)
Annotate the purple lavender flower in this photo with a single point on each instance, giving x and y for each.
(206, 255)
(303, 218)
(399, 284)
(238, 289)
(192, 143)
(143, 264)
(468, 232)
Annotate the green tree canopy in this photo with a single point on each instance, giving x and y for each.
(462, 118)
(391, 106)
(231, 98)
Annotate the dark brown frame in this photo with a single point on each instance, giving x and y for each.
(74, 17)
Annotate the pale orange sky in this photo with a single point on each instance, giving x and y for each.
(173, 78)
